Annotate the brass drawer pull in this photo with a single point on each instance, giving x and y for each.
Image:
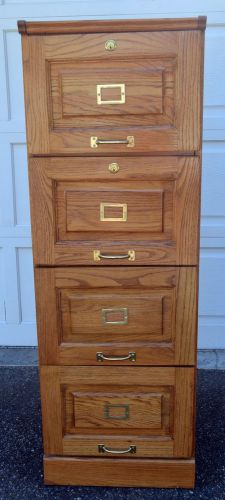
(101, 357)
(103, 449)
(130, 255)
(129, 141)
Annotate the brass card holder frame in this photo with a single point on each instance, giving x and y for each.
(120, 86)
(123, 217)
(123, 310)
(108, 407)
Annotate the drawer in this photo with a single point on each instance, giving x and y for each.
(111, 412)
(137, 316)
(143, 96)
(144, 209)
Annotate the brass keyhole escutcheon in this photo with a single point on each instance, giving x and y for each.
(113, 168)
(110, 45)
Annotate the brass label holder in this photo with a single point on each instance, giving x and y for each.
(123, 217)
(109, 407)
(121, 310)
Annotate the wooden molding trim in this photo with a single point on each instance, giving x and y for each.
(155, 473)
(121, 25)
(22, 27)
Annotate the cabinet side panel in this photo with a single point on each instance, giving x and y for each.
(184, 412)
(186, 315)
(189, 89)
(42, 211)
(35, 94)
(186, 209)
(46, 306)
(51, 410)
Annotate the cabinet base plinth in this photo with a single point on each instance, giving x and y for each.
(155, 473)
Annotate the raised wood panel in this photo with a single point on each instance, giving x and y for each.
(87, 208)
(155, 408)
(159, 304)
(148, 92)
(102, 316)
(110, 411)
(59, 79)
(160, 197)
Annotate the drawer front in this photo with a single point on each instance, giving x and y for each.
(137, 316)
(145, 94)
(85, 210)
(118, 412)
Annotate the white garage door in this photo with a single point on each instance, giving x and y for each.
(17, 311)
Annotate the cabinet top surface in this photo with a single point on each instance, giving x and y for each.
(118, 25)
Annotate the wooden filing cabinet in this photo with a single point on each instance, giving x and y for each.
(114, 119)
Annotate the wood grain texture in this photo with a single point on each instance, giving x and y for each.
(51, 411)
(190, 101)
(161, 305)
(159, 400)
(162, 198)
(89, 208)
(47, 316)
(87, 445)
(122, 472)
(77, 206)
(113, 411)
(34, 94)
(58, 73)
(90, 375)
(185, 412)
(187, 315)
(106, 316)
(42, 214)
(54, 27)
(148, 84)
(68, 48)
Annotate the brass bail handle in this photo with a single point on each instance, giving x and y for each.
(112, 141)
(96, 141)
(130, 357)
(130, 255)
(104, 449)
